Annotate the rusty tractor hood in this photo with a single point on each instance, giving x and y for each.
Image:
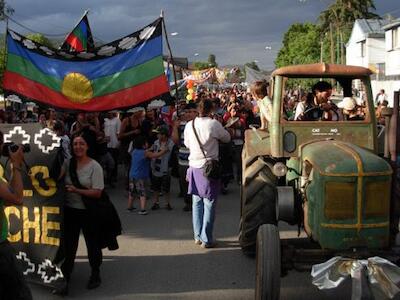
(335, 158)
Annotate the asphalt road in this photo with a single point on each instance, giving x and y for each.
(158, 259)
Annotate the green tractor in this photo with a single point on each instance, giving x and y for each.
(324, 176)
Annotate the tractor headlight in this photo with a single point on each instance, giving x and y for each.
(340, 200)
(377, 199)
(279, 169)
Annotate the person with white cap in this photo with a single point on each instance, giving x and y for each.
(350, 109)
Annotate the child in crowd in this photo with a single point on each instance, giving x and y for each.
(139, 174)
(161, 176)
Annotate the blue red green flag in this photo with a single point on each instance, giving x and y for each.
(121, 74)
(80, 39)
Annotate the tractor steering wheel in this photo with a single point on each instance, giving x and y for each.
(316, 113)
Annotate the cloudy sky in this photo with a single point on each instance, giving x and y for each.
(236, 31)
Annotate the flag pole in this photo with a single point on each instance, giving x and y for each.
(170, 57)
(5, 59)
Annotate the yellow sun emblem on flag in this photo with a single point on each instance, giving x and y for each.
(77, 88)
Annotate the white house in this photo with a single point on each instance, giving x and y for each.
(366, 46)
(391, 80)
(375, 44)
(392, 58)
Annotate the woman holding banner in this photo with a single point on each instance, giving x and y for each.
(84, 179)
(12, 282)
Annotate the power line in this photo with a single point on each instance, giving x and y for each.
(17, 15)
(35, 31)
(47, 34)
(392, 11)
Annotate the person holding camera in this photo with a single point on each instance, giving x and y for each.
(12, 282)
(161, 174)
(236, 125)
(202, 136)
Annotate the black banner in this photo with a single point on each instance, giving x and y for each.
(35, 227)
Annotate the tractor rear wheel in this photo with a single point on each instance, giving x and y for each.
(268, 263)
(258, 200)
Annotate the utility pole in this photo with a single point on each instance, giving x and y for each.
(331, 39)
(322, 51)
(337, 45)
(342, 54)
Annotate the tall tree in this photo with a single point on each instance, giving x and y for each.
(338, 19)
(200, 65)
(252, 65)
(343, 13)
(212, 61)
(5, 10)
(301, 45)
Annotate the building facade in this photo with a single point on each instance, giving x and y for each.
(375, 44)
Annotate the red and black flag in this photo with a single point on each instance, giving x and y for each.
(80, 39)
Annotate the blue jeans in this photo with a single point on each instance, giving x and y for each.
(203, 214)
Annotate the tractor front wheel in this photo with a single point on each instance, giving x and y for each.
(268, 263)
(258, 200)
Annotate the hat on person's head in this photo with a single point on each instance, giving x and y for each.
(135, 109)
(162, 130)
(348, 103)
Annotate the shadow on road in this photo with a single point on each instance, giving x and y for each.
(214, 270)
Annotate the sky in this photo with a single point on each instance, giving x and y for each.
(235, 31)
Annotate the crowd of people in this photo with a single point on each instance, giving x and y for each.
(112, 135)
(151, 145)
(154, 144)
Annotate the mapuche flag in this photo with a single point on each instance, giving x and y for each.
(121, 74)
(80, 38)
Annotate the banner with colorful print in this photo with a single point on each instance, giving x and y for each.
(121, 74)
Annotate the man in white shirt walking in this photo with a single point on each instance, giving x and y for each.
(380, 97)
(112, 125)
(204, 190)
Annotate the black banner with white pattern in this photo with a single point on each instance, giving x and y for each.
(35, 227)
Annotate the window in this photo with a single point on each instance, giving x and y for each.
(380, 71)
(293, 108)
(363, 48)
(396, 38)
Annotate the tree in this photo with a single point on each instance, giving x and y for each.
(200, 65)
(345, 12)
(301, 45)
(40, 38)
(2, 67)
(5, 10)
(252, 65)
(211, 61)
(338, 20)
